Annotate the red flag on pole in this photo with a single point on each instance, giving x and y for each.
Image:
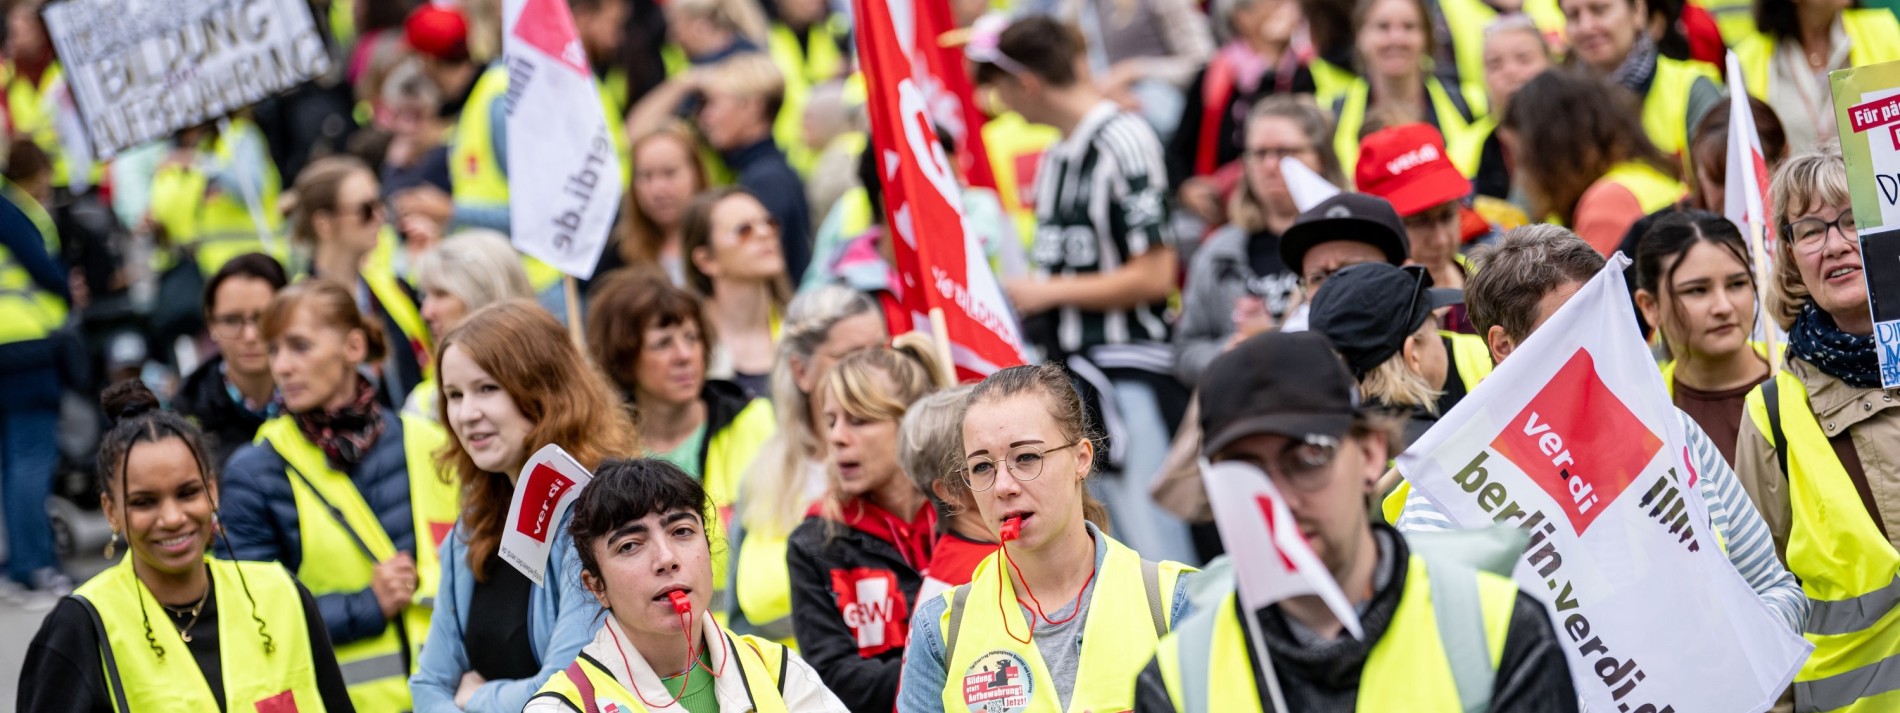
(955, 107)
(944, 278)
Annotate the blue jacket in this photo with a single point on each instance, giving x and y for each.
(562, 619)
(260, 519)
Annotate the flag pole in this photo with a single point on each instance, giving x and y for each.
(1266, 662)
(941, 331)
(571, 289)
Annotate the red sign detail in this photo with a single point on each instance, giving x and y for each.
(285, 702)
(439, 531)
(873, 607)
(548, 25)
(1876, 113)
(1578, 442)
(1273, 531)
(545, 486)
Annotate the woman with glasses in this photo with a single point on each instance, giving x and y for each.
(340, 220)
(857, 561)
(232, 393)
(1237, 285)
(734, 261)
(1029, 452)
(1818, 443)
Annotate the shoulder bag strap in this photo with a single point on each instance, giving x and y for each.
(113, 681)
(1771, 398)
(1151, 583)
(956, 622)
(334, 512)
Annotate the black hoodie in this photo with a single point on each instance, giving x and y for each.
(206, 400)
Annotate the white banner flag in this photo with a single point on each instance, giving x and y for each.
(548, 485)
(1575, 440)
(1273, 562)
(563, 168)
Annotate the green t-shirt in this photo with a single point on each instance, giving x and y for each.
(686, 454)
(699, 697)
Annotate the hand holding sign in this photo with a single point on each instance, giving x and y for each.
(549, 483)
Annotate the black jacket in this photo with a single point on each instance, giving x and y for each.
(1532, 675)
(827, 573)
(206, 401)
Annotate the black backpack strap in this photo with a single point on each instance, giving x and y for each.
(1771, 398)
(113, 681)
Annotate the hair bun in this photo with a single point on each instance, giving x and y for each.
(127, 400)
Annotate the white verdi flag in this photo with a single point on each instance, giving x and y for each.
(548, 485)
(563, 168)
(1745, 188)
(1272, 562)
(1575, 440)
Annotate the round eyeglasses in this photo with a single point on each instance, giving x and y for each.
(1024, 463)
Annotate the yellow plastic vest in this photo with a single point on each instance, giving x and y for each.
(802, 72)
(1669, 367)
(27, 313)
(1128, 612)
(1471, 356)
(765, 584)
(1848, 570)
(30, 108)
(216, 227)
(403, 311)
(1015, 145)
(729, 452)
(1452, 123)
(1734, 19)
(1666, 108)
(334, 560)
(1654, 190)
(1874, 35)
(1409, 669)
(138, 679)
(1330, 81)
(761, 662)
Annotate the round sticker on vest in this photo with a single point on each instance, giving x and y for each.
(998, 682)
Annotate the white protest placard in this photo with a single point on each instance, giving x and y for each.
(548, 485)
(563, 169)
(1574, 439)
(141, 69)
(1278, 564)
(1867, 114)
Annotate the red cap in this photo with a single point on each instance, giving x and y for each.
(1407, 166)
(439, 31)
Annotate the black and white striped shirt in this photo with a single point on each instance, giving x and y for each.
(1101, 200)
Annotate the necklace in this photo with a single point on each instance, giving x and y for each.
(194, 610)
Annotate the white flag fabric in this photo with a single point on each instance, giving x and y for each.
(563, 168)
(1272, 562)
(1745, 188)
(1307, 186)
(548, 485)
(1575, 440)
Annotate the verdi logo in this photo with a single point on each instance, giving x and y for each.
(1578, 441)
(545, 486)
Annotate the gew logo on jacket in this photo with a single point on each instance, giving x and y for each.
(545, 486)
(1578, 441)
(873, 607)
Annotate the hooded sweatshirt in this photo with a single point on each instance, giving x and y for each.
(855, 581)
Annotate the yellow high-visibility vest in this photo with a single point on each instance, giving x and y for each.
(1452, 105)
(1874, 35)
(761, 665)
(27, 312)
(1666, 107)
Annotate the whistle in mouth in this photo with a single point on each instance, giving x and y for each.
(680, 603)
(1012, 527)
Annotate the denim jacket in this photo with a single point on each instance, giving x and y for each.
(562, 618)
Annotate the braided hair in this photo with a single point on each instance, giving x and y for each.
(135, 418)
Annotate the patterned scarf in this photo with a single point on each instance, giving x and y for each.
(1637, 69)
(345, 435)
(1848, 357)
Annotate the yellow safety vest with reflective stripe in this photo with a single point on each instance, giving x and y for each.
(1654, 190)
(1849, 571)
(251, 673)
(334, 561)
(818, 61)
(27, 313)
(1873, 36)
(216, 226)
(1129, 611)
(1453, 119)
(1666, 107)
(761, 665)
(1439, 654)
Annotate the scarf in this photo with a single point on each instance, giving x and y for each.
(347, 434)
(913, 540)
(1848, 357)
(1639, 67)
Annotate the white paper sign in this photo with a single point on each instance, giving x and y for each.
(1273, 563)
(141, 69)
(563, 169)
(548, 485)
(1575, 440)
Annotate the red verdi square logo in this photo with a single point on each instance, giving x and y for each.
(545, 486)
(1578, 441)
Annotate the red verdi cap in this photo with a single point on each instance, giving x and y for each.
(438, 30)
(1407, 165)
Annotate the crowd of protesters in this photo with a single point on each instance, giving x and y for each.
(1287, 233)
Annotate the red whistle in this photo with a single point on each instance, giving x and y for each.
(1012, 527)
(680, 603)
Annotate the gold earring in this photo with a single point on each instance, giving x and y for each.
(111, 545)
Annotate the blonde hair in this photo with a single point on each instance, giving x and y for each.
(1815, 178)
(744, 17)
(930, 445)
(879, 385)
(772, 499)
(752, 75)
(479, 267)
(1393, 383)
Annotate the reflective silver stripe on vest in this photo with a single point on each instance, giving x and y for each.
(1842, 690)
(1847, 616)
(374, 669)
(1460, 616)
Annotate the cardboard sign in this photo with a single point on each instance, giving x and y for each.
(548, 485)
(1575, 440)
(1867, 113)
(141, 69)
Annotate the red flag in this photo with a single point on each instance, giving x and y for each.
(941, 266)
(955, 106)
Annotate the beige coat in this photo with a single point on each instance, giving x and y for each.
(1871, 417)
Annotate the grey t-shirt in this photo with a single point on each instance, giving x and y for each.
(1061, 644)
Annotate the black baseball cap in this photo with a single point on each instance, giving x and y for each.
(1347, 216)
(1286, 383)
(1368, 310)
